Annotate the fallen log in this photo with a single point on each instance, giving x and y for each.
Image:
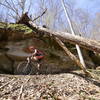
(81, 41)
(73, 57)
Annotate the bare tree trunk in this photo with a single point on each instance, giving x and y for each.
(73, 33)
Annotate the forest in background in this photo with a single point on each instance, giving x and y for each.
(85, 19)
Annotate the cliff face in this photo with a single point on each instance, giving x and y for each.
(15, 38)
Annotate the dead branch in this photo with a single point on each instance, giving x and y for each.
(73, 57)
(29, 6)
(22, 88)
(7, 6)
(40, 15)
(6, 83)
(25, 19)
(10, 7)
(81, 41)
(16, 9)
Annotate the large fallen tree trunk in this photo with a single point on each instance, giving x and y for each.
(83, 42)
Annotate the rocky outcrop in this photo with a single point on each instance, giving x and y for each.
(17, 37)
(6, 65)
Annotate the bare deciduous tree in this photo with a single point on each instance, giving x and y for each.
(16, 7)
(96, 27)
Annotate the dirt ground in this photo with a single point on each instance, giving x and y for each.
(64, 86)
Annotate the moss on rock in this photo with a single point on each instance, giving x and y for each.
(14, 31)
(20, 28)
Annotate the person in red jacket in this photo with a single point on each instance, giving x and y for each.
(37, 55)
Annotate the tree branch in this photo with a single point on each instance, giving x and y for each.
(73, 57)
(40, 15)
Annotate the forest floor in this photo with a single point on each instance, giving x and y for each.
(63, 86)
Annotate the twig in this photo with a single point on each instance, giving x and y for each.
(21, 91)
(16, 9)
(6, 6)
(22, 88)
(10, 7)
(6, 83)
(29, 6)
(40, 15)
(11, 15)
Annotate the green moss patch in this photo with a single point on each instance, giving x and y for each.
(16, 27)
(20, 27)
